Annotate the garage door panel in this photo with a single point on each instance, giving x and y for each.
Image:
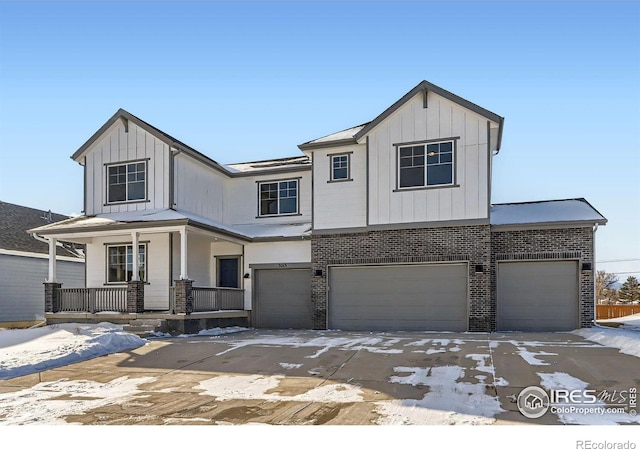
(398, 297)
(283, 299)
(537, 296)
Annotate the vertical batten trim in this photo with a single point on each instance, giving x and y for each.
(367, 181)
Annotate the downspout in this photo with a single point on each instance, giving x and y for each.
(40, 239)
(595, 275)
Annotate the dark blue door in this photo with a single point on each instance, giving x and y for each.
(228, 272)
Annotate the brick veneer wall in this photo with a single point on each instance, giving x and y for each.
(548, 244)
(456, 244)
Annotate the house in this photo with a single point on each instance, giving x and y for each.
(24, 264)
(388, 225)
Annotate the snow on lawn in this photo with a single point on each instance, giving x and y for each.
(626, 337)
(28, 351)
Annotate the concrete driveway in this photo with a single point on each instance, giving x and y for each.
(329, 377)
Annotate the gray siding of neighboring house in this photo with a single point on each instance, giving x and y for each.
(21, 289)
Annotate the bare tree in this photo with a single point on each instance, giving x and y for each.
(605, 291)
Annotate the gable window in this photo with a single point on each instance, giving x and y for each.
(127, 182)
(120, 263)
(425, 165)
(340, 169)
(278, 198)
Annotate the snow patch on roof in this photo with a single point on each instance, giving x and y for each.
(248, 231)
(340, 135)
(272, 164)
(555, 211)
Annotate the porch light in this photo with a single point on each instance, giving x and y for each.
(247, 276)
(318, 273)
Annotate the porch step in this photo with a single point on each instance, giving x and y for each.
(144, 327)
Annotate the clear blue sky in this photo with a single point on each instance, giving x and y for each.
(251, 80)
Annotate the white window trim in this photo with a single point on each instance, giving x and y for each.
(108, 201)
(297, 212)
(115, 245)
(425, 185)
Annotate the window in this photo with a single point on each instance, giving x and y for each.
(127, 182)
(278, 198)
(120, 263)
(425, 165)
(340, 167)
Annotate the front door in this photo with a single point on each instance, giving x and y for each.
(229, 272)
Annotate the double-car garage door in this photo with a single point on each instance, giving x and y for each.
(398, 297)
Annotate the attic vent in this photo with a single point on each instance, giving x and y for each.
(47, 216)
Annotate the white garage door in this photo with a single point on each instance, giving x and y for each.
(398, 297)
(537, 296)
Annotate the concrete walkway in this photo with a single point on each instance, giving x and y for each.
(326, 377)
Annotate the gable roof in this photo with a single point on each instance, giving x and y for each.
(565, 211)
(15, 220)
(352, 135)
(172, 142)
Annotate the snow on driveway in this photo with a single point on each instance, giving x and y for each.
(453, 393)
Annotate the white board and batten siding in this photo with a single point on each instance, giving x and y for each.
(341, 204)
(241, 199)
(412, 122)
(156, 290)
(21, 289)
(116, 146)
(198, 188)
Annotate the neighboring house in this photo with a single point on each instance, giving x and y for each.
(385, 226)
(24, 264)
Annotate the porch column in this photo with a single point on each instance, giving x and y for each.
(135, 276)
(51, 286)
(52, 260)
(183, 254)
(184, 297)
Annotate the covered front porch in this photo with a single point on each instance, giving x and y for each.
(165, 270)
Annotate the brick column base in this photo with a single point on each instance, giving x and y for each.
(184, 298)
(51, 296)
(135, 296)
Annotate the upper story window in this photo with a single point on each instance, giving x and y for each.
(120, 263)
(426, 165)
(340, 167)
(278, 198)
(127, 182)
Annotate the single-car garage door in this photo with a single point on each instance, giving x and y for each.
(282, 299)
(537, 296)
(398, 297)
